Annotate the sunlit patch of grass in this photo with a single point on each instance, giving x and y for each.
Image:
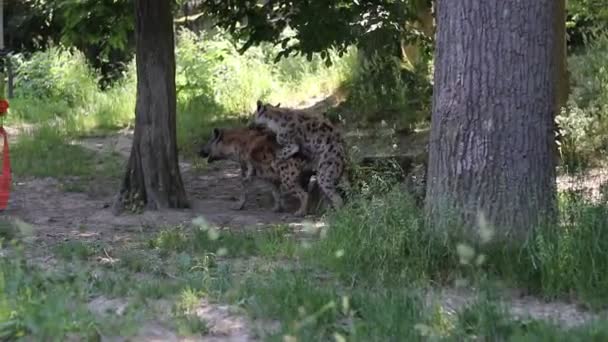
(46, 152)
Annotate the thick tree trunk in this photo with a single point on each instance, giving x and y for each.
(491, 143)
(561, 48)
(563, 76)
(153, 178)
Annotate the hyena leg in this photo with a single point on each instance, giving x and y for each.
(248, 172)
(291, 184)
(328, 177)
(303, 197)
(243, 166)
(276, 196)
(244, 196)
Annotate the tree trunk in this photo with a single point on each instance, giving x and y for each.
(563, 76)
(490, 151)
(153, 178)
(562, 54)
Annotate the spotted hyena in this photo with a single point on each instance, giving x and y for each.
(314, 137)
(255, 150)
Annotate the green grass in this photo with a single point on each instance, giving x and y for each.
(384, 240)
(310, 309)
(46, 152)
(202, 239)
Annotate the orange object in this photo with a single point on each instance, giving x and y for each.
(3, 107)
(5, 177)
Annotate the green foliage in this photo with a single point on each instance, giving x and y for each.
(211, 68)
(216, 85)
(343, 23)
(103, 30)
(108, 24)
(584, 122)
(31, 24)
(8, 230)
(54, 303)
(305, 309)
(381, 88)
(587, 19)
(189, 324)
(56, 73)
(57, 87)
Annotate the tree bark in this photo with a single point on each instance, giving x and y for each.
(490, 150)
(561, 52)
(153, 179)
(563, 76)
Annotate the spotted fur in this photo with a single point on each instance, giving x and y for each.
(313, 136)
(255, 150)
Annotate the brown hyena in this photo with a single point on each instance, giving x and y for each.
(255, 150)
(313, 136)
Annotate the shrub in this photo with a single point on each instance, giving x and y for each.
(382, 89)
(584, 122)
(57, 73)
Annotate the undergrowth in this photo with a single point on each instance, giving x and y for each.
(584, 121)
(385, 240)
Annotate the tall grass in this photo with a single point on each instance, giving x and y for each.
(57, 87)
(384, 240)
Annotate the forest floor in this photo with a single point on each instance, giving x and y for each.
(66, 214)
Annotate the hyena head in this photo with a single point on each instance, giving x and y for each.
(215, 149)
(263, 115)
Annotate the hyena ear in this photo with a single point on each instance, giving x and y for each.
(260, 105)
(278, 105)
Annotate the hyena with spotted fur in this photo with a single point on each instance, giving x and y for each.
(313, 136)
(255, 150)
